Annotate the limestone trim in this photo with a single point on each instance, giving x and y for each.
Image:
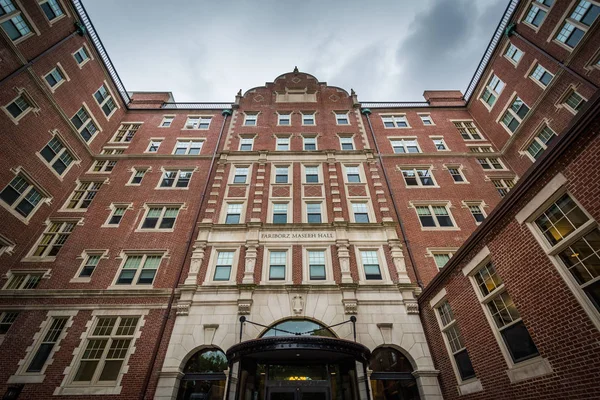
(267, 262)
(62, 71)
(33, 106)
(476, 261)
(383, 266)
(47, 198)
(306, 266)
(212, 264)
(102, 253)
(69, 387)
(21, 375)
(542, 197)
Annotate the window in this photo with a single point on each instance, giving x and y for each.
(370, 263)
(6, 321)
(89, 265)
(352, 174)
(23, 280)
(341, 118)
(513, 53)
(405, 146)
(361, 213)
(480, 149)
(540, 142)
(21, 196)
(514, 114)
(105, 101)
(176, 178)
(311, 174)
(284, 119)
(456, 174)
(283, 144)
(241, 174)
(104, 165)
(308, 118)
(537, 12)
(503, 186)
(106, 349)
(500, 307)
(19, 107)
(492, 91)
(54, 78)
(45, 347)
(467, 130)
(138, 175)
(440, 144)
(12, 21)
(277, 263)
(83, 195)
(574, 101)
(57, 156)
(434, 216)
(541, 75)
(223, 266)
(84, 124)
(280, 213)
(116, 216)
(119, 150)
(188, 147)
(250, 119)
(310, 143)
(234, 212)
(398, 121)
(441, 259)
(346, 143)
(578, 23)
(198, 122)
(313, 213)
(426, 119)
(316, 265)
(53, 239)
(417, 177)
(81, 56)
(490, 163)
(281, 175)
(246, 144)
(154, 146)
(126, 132)
(166, 122)
(161, 217)
(560, 223)
(477, 212)
(139, 269)
(454, 341)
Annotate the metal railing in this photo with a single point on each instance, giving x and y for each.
(197, 106)
(393, 104)
(91, 31)
(510, 9)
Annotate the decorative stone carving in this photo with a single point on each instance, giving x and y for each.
(412, 307)
(398, 260)
(344, 256)
(297, 304)
(182, 309)
(250, 262)
(195, 264)
(244, 306)
(350, 307)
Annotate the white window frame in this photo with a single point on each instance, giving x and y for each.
(534, 69)
(460, 168)
(309, 114)
(570, 92)
(150, 145)
(490, 164)
(88, 53)
(7, 246)
(44, 256)
(480, 204)
(164, 207)
(250, 116)
(285, 141)
(576, 24)
(464, 130)
(433, 251)
(329, 279)
(414, 169)
(188, 142)
(319, 168)
(32, 184)
(178, 171)
(58, 156)
(541, 6)
(167, 119)
(126, 130)
(361, 174)
(274, 174)
(508, 109)
(109, 97)
(225, 209)
(289, 219)
(516, 52)
(536, 138)
(246, 138)
(87, 122)
(281, 116)
(33, 107)
(134, 172)
(383, 267)
(430, 204)
(267, 265)
(201, 120)
(443, 142)
(233, 173)
(85, 257)
(493, 83)
(349, 138)
(396, 120)
(342, 115)
(369, 208)
(61, 71)
(19, 11)
(404, 144)
(309, 137)
(93, 186)
(503, 181)
(426, 117)
(103, 166)
(28, 274)
(69, 387)
(124, 256)
(113, 208)
(313, 200)
(209, 279)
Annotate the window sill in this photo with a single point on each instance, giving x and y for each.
(422, 187)
(81, 280)
(318, 282)
(83, 63)
(55, 20)
(23, 38)
(87, 390)
(27, 378)
(470, 386)
(529, 369)
(38, 259)
(154, 230)
(171, 188)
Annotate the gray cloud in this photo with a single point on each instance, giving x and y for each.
(206, 51)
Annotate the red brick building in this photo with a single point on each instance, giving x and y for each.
(138, 230)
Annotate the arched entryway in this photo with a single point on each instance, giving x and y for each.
(204, 376)
(392, 377)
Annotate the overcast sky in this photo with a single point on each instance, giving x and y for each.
(208, 50)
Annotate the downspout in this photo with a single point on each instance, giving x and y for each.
(189, 242)
(366, 112)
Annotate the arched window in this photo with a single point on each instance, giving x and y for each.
(300, 327)
(392, 377)
(204, 378)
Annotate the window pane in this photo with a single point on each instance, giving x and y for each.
(463, 362)
(519, 342)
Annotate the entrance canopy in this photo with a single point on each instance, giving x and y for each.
(298, 349)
